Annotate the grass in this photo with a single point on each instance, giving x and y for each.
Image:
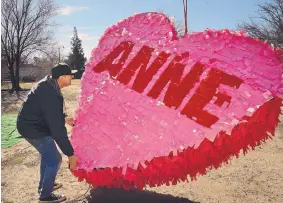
(9, 132)
(27, 85)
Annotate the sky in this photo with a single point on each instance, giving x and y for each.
(93, 17)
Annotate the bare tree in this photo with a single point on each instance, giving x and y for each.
(179, 25)
(268, 25)
(48, 58)
(25, 30)
(180, 28)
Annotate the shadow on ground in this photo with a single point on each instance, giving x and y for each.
(102, 195)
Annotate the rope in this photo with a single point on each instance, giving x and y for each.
(81, 197)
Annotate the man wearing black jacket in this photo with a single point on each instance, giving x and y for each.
(41, 121)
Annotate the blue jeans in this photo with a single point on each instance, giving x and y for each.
(50, 163)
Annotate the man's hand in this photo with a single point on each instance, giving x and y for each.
(72, 162)
(69, 121)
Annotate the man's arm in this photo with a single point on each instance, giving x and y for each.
(52, 107)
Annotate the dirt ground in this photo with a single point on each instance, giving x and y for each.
(254, 178)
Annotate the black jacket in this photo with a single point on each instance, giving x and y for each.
(42, 115)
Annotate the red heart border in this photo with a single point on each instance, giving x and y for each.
(174, 168)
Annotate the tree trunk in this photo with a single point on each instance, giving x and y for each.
(12, 77)
(17, 76)
(17, 79)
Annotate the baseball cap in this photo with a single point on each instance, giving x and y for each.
(61, 69)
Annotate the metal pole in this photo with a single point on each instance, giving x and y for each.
(185, 5)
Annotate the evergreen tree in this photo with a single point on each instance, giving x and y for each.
(76, 58)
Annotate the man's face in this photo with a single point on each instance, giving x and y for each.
(67, 80)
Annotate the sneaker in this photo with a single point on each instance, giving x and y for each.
(56, 186)
(53, 198)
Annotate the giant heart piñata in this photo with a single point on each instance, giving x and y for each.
(155, 108)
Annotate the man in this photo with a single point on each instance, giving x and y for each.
(41, 121)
